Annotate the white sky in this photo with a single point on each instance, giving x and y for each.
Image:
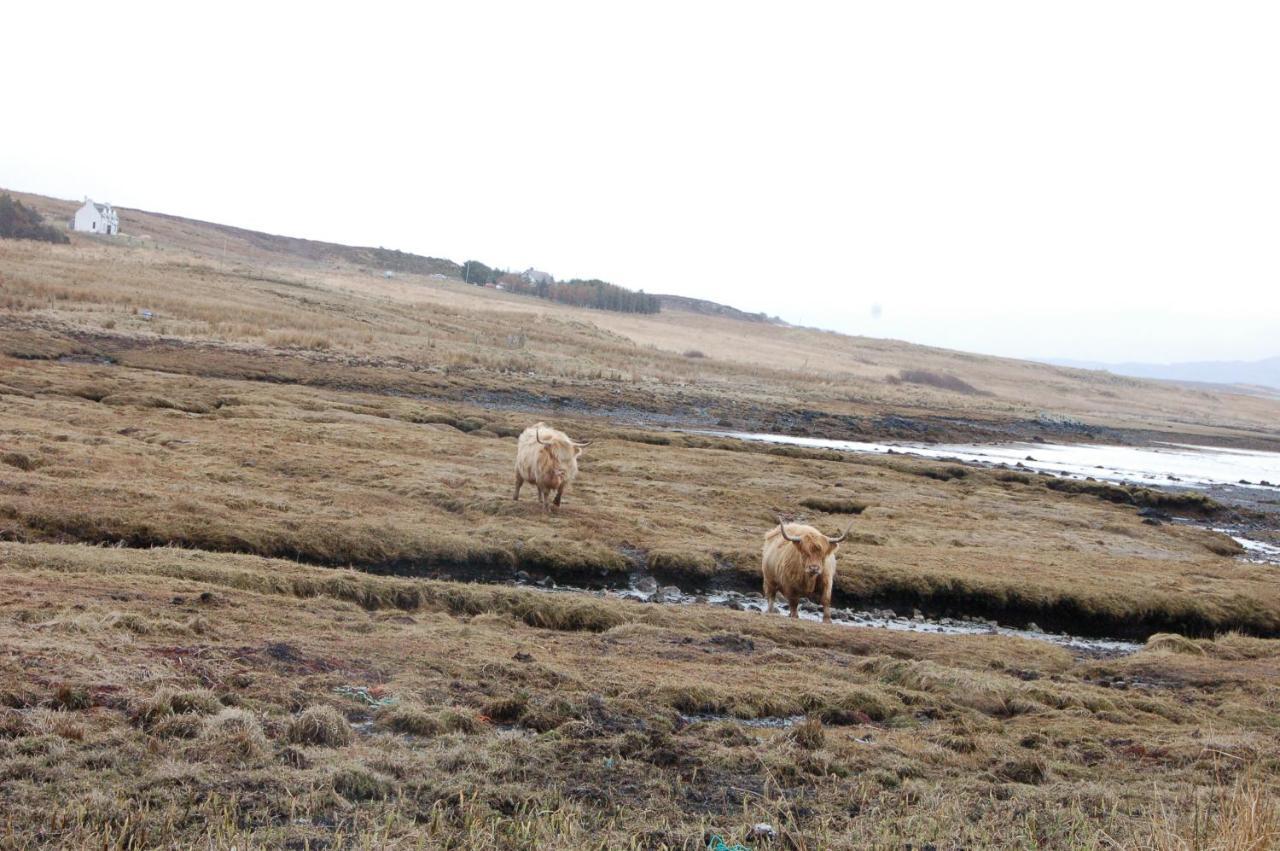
(1096, 180)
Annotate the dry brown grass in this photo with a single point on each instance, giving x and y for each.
(171, 650)
(507, 734)
(237, 295)
(140, 458)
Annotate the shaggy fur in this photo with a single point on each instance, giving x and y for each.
(547, 459)
(799, 569)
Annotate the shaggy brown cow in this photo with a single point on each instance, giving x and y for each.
(548, 460)
(799, 561)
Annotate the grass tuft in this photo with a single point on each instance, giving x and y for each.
(234, 736)
(166, 702)
(1170, 642)
(322, 725)
(808, 734)
(357, 782)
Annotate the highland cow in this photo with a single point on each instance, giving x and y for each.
(548, 460)
(799, 561)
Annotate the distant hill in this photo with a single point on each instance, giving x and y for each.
(328, 252)
(1265, 373)
(711, 308)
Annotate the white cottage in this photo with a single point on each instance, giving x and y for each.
(96, 218)
(533, 276)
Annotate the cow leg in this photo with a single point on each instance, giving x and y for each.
(519, 482)
(794, 603)
(559, 493)
(769, 593)
(826, 600)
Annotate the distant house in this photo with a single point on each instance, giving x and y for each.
(533, 276)
(96, 218)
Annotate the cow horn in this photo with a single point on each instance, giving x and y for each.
(581, 443)
(782, 527)
(538, 436)
(843, 534)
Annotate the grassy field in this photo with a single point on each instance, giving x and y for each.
(217, 522)
(164, 697)
(231, 303)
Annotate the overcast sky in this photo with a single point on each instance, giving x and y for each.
(1093, 180)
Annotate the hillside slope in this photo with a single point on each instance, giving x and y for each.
(324, 314)
(1249, 375)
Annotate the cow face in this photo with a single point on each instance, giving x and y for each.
(557, 473)
(814, 548)
(814, 556)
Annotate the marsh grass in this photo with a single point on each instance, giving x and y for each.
(508, 733)
(191, 494)
(321, 725)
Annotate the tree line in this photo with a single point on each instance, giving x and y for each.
(595, 293)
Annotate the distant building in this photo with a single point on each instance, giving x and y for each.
(96, 218)
(533, 276)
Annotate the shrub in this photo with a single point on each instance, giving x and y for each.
(475, 272)
(694, 353)
(18, 221)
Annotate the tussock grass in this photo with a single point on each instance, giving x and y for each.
(358, 783)
(166, 702)
(423, 721)
(1184, 502)
(501, 718)
(320, 725)
(834, 505)
(234, 737)
(1172, 643)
